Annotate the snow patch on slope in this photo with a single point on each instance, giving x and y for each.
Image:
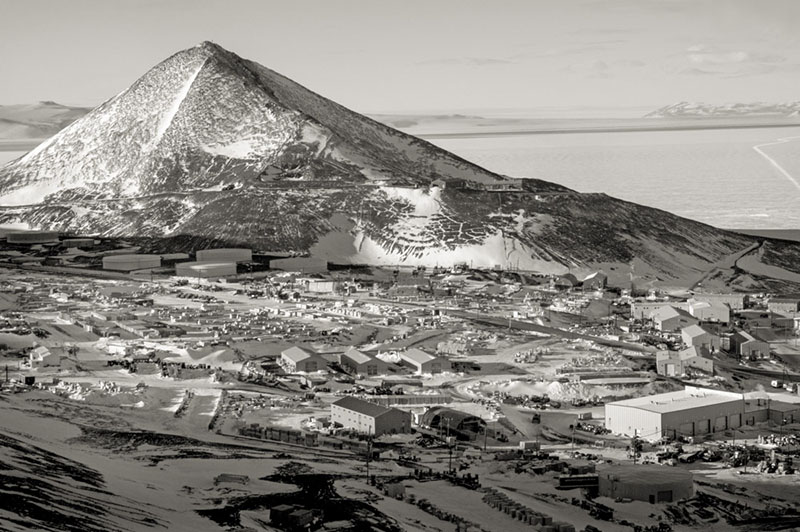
(425, 201)
(241, 149)
(30, 194)
(175, 105)
(495, 249)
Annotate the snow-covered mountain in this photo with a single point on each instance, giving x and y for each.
(705, 110)
(208, 146)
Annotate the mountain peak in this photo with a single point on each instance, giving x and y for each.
(209, 146)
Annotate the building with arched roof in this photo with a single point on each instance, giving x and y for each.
(460, 424)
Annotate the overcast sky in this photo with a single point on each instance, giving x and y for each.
(421, 55)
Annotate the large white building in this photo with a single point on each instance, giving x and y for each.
(369, 418)
(688, 412)
(710, 311)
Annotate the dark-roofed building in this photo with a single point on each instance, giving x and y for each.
(369, 418)
(746, 345)
(567, 281)
(460, 424)
(595, 281)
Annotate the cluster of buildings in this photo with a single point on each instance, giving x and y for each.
(708, 325)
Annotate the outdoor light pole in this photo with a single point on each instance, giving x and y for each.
(450, 460)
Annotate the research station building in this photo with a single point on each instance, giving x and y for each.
(369, 418)
(357, 362)
(297, 359)
(689, 412)
(423, 362)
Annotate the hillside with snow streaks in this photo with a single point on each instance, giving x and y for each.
(209, 147)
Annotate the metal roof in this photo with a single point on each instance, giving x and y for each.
(361, 406)
(681, 400)
(357, 356)
(297, 354)
(417, 355)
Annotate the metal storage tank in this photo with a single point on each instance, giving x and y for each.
(31, 237)
(127, 263)
(225, 255)
(79, 242)
(650, 483)
(299, 264)
(205, 269)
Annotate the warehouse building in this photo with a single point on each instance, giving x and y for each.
(746, 345)
(321, 286)
(362, 364)
(649, 483)
(423, 362)
(128, 263)
(224, 255)
(734, 301)
(297, 359)
(696, 336)
(369, 418)
(670, 319)
(31, 237)
(710, 311)
(676, 363)
(785, 306)
(205, 270)
(689, 412)
(644, 310)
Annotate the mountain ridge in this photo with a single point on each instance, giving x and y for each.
(207, 146)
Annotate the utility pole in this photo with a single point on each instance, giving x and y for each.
(369, 453)
(573, 437)
(635, 445)
(450, 461)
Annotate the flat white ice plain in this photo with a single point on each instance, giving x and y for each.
(730, 178)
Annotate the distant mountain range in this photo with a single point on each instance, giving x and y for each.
(707, 110)
(36, 121)
(209, 147)
(41, 120)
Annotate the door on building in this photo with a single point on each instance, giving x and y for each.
(721, 423)
(664, 496)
